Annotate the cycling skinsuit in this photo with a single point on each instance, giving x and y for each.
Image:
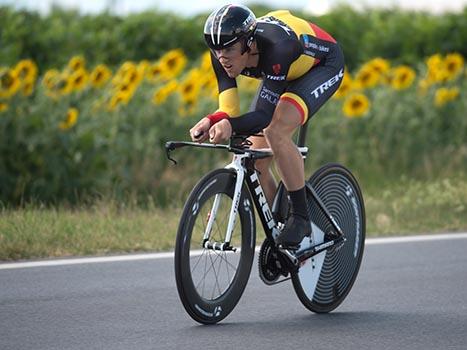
(298, 62)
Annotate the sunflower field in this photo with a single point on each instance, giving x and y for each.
(77, 132)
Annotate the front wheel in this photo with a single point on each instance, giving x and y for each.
(210, 282)
(323, 282)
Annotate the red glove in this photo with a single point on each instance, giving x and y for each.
(217, 117)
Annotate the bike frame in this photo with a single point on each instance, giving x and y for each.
(243, 165)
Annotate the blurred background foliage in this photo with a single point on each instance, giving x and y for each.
(403, 37)
(87, 103)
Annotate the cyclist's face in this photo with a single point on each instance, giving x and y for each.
(232, 59)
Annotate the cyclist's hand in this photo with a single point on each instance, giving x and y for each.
(220, 131)
(199, 132)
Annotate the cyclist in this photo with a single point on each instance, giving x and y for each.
(300, 66)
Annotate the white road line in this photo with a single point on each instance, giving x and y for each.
(153, 256)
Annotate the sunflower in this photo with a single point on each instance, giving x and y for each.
(76, 62)
(209, 82)
(453, 63)
(127, 88)
(154, 73)
(70, 120)
(100, 75)
(436, 69)
(117, 99)
(379, 65)
(367, 77)
(64, 84)
(3, 107)
(189, 88)
(127, 76)
(164, 92)
(50, 78)
(345, 87)
(402, 77)
(26, 70)
(445, 95)
(356, 105)
(172, 63)
(79, 79)
(131, 75)
(9, 83)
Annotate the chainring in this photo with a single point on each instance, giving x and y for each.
(270, 263)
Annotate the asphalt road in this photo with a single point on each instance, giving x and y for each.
(407, 296)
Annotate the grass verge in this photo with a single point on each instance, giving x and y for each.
(406, 207)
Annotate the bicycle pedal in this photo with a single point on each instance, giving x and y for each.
(289, 254)
(291, 248)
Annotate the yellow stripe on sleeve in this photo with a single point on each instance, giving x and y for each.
(229, 102)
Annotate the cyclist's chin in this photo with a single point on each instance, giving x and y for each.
(233, 73)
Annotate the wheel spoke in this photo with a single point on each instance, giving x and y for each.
(223, 258)
(227, 266)
(197, 262)
(209, 270)
(216, 277)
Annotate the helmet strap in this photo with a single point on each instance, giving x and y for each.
(246, 44)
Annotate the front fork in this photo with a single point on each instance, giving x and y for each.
(237, 166)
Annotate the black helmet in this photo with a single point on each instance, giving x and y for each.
(228, 25)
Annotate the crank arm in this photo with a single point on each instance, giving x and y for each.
(306, 254)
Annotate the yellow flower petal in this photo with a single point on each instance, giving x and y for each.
(402, 77)
(100, 75)
(444, 95)
(70, 120)
(356, 105)
(77, 62)
(172, 63)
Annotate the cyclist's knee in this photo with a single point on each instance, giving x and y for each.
(262, 165)
(285, 120)
(275, 134)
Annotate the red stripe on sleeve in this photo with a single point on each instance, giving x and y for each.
(321, 34)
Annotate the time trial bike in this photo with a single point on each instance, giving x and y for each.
(216, 237)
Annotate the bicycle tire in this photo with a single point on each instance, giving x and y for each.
(204, 307)
(341, 194)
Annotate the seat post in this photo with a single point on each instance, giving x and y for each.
(302, 135)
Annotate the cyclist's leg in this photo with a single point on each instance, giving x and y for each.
(264, 168)
(278, 134)
(303, 98)
(290, 165)
(263, 165)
